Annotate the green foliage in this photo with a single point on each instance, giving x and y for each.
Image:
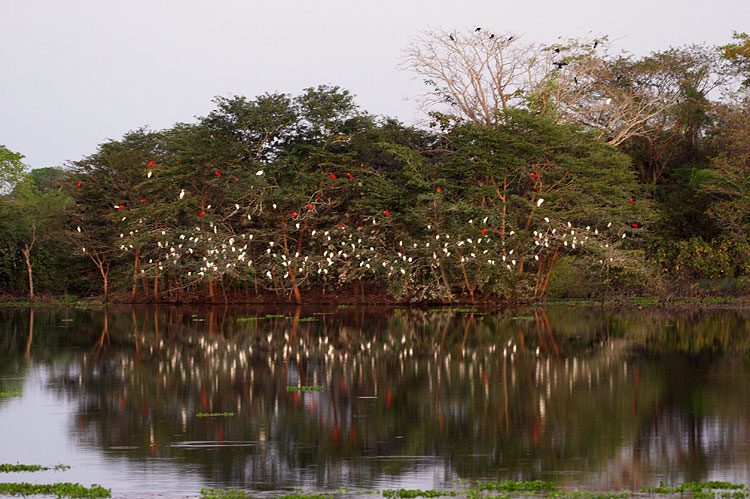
(223, 493)
(739, 54)
(14, 468)
(11, 168)
(696, 258)
(57, 489)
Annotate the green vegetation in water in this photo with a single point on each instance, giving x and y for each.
(522, 318)
(10, 394)
(222, 493)
(306, 496)
(704, 490)
(198, 319)
(14, 468)
(249, 319)
(403, 493)
(275, 316)
(532, 486)
(312, 388)
(341, 307)
(66, 320)
(56, 489)
(214, 414)
(305, 319)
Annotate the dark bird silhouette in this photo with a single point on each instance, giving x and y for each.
(596, 42)
(575, 80)
(451, 37)
(492, 36)
(510, 39)
(557, 51)
(560, 64)
(478, 29)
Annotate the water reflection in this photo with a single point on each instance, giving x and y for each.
(586, 397)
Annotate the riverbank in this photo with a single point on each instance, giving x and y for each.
(347, 299)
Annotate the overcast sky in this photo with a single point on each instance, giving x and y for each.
(77, 72)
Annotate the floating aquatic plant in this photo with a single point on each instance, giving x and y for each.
(56, 489)
(14, 468)
(314, 388)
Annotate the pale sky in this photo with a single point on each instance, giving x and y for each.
(78, 72)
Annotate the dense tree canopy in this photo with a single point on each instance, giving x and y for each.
(616, 167)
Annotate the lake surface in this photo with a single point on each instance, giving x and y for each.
(592, 398)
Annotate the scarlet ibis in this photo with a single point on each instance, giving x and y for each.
(333, 176)
(386, 213)
(78, 185)
(201, 213)
(440, 190)
(151, 163)
(218, 174)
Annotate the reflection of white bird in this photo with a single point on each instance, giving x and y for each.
(182, 193)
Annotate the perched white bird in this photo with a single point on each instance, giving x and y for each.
(149, 174)
(182, 193)
(539, 202)
(259, 173)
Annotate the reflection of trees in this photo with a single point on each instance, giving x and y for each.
(493, 396)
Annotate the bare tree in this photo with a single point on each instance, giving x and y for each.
(477, 74)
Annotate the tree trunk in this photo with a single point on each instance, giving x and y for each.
(156, 288)
(27, 255)
(135, 274)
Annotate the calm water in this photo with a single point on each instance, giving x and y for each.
(591, 398)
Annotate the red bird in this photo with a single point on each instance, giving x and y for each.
(341, 226)
(333, 176)
(440, 190)
(484, 230)
(121, 207)
(201, 213)
(309, 206)
(533, 175)
(350, 175)
(218, 174)
(143, 200)
(387, 212)
(635, 226)
(236, 179)
(632, 201)
(78, 185)
(151, 163)
(294, 213)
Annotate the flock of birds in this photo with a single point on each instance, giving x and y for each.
(344, 254)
